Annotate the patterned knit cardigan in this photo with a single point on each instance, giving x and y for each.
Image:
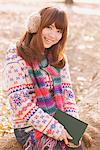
(23, 100)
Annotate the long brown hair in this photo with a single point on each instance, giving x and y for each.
(31, 47)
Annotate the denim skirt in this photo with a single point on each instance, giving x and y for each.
(22, 137)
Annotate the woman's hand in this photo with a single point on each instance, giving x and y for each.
(73, 145)
(65, 136)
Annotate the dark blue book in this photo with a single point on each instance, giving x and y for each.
(74, 127)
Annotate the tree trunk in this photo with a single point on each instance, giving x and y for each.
(69, 1)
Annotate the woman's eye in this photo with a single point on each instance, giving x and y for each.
(49, 27)
(59, 31)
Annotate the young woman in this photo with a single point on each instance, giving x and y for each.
(38, 82)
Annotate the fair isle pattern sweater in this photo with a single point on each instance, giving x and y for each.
(21, 96)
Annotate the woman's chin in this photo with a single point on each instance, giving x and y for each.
(47, 46)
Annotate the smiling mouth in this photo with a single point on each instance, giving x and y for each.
(48, 40)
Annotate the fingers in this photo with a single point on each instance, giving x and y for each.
(65, 136)
(73, 145)
(61, 138)
(68, 136)
(79, 143)
(65, 140)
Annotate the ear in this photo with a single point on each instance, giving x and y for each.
(33, 22)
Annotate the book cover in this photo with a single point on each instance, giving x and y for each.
(74, 127)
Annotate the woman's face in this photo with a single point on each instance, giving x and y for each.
(51, 35)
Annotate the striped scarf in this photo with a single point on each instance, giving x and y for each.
(47, 99)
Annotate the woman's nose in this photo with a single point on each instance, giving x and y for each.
(53, 34)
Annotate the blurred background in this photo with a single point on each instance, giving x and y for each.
(82, 50)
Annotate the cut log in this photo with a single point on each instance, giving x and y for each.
(69, 1)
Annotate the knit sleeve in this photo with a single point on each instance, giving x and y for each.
(69, 96)
(24, 108)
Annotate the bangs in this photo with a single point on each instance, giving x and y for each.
(61, 21)
(53, 15)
